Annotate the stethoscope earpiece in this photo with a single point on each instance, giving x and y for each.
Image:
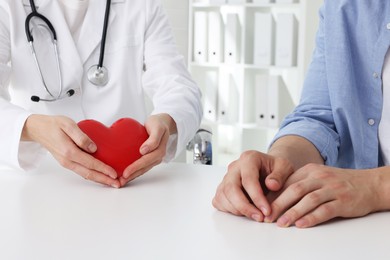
(69, 93)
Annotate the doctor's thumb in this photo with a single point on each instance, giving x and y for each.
(92, 147)
(84, 142)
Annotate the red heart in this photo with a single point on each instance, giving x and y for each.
(118, 145)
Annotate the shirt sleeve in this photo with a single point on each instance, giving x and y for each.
(313, 118)
(167, 81)
(13, 152)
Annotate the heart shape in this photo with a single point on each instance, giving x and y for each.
(118, 145)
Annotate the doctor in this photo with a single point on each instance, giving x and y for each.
(92, 59)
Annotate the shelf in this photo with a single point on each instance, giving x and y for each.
(232, 91)
(245, 66)
(247, 5)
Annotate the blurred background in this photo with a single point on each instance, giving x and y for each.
(249, 57)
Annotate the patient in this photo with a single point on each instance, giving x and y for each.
(330, 157)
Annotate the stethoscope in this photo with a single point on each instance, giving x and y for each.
(97, 74)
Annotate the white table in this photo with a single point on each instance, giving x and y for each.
(166, 214)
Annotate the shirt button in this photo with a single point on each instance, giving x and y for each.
(371, 122)
(388, 26)
(375, 75)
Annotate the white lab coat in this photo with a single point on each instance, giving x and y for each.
(139, 37)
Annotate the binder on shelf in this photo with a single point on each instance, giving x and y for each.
(215, 37)
(232, 39)
(262, 1)
(223, 99)
(216, 2)
(279, 100)
(286, 1)
(236, 1)
(210, 88)
(234, 96)
(286, 40)
(261, 96)
(264, 38)
(228, 98)
(200, 36)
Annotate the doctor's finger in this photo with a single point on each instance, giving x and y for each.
(157, 138)
(78, 136)
(123, 181)
(145, 162)
(89, 162)
(149, 159)
(94, 176)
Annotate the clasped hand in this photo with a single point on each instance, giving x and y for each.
(264, 188)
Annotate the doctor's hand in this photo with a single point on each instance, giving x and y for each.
(317, 193)
(248, 180)
(153, 150)
(69, 146)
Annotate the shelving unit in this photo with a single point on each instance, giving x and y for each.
(237, 128)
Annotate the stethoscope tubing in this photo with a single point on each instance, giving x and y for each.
(100, 69)
(104, 34)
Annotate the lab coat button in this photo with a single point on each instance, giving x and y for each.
(388, 26)
(375, 75)
(371, 122)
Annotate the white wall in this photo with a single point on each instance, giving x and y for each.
(177, 11)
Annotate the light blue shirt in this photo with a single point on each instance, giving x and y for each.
(341, 103)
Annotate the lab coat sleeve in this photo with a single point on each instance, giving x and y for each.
(166, 79)
(13, 152)
(313, 117)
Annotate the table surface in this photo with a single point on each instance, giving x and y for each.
(52, 213)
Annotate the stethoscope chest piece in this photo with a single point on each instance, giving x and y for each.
(98, 75)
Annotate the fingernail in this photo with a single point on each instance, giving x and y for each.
(115, 185)
(301, 223)
(256, 217)
(267, 220)
(92, 147)
(274, 181)
(144, 150)
(264, 210)
(283, 221)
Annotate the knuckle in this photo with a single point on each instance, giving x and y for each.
(328, 210)
(310, 167)
(84, 141)
(216, 202)
(315, 198)
(66, 123)
(66, 163)
(246, 181)
(245, 210)
(275, 207)
(298, 188)
(68, 153)
(229, 189)
(232, 166)
(249, 154)
(293, 213)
